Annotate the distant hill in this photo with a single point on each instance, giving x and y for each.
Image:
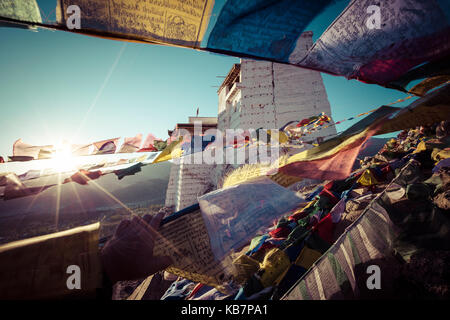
(149, 185)
(106, 199)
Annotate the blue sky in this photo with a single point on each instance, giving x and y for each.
(54, 84)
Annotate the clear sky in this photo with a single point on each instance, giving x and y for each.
(56, 85)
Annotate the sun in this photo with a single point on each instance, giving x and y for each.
(62, 159)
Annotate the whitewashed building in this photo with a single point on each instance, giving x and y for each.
(265, 94)
(262, 94)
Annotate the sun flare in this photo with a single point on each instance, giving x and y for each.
(63, 159)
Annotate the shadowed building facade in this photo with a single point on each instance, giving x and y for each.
(188, 180)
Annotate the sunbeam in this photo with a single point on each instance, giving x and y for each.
(100, 91)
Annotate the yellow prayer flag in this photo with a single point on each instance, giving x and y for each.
(307, 257)
(420, 147)
(279, 136)
(172, 151)
(367, 179)
(276, 263)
